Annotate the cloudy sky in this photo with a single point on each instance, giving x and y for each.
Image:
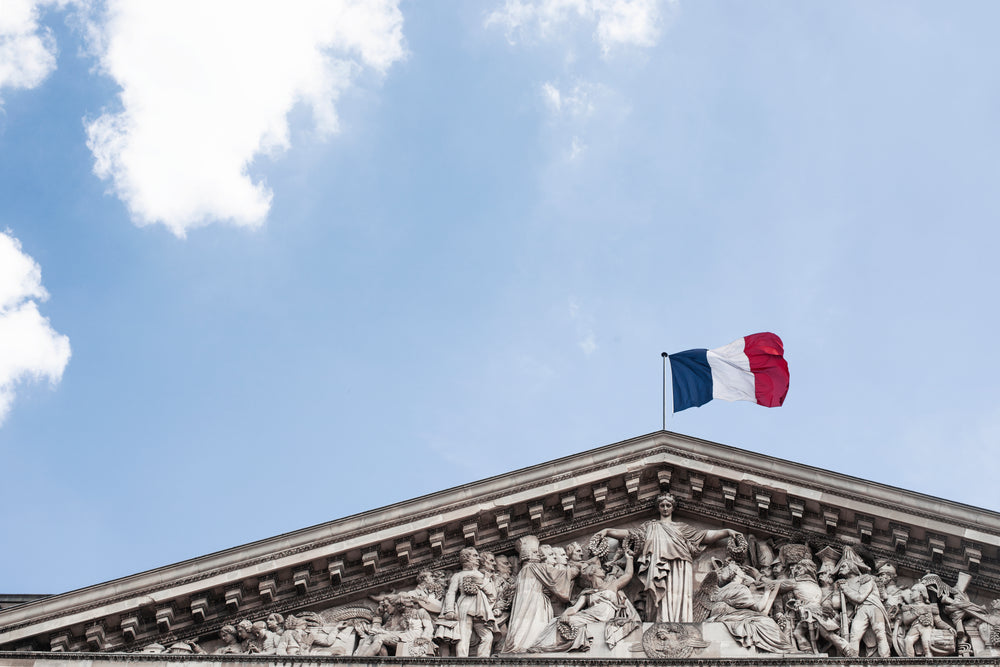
(264, 265)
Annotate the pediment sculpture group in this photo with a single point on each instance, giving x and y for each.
(635, 587)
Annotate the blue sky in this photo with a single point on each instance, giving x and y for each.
(269, 270)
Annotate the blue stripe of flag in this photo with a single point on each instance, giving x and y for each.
(692, 379)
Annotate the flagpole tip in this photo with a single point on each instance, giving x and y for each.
(664, 355)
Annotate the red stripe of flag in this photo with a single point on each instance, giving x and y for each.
(770, 370)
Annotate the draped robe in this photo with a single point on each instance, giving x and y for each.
(666, 570)
(531, 610)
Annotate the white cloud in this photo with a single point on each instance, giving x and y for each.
(27, 49)
(616, 22)
(579, 101)
(29, 348)
(207, 87)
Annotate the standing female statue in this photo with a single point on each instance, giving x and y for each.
(666, 558)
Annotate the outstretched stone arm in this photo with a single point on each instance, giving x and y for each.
(622, 581)
(616, 533)
(713, 536)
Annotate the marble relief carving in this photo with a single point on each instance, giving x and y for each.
(659, 589)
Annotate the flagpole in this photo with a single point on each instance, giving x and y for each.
(664, 354)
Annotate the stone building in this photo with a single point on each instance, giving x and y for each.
(659, 547)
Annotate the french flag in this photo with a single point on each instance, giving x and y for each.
(752, 368)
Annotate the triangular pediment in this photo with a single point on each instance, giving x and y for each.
(342, 567)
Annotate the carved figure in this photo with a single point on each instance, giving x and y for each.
(604, 602)
(989, 624)
(248, 640)
(292, 637)
(816, 617)
(537, 583)
(230, 642)
(922, 618)
(666, 561)
(469, 601)
(745, 614)
(862, 590)
(410, 631)
(334, 631)
(266, 639)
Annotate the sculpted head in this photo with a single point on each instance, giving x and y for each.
(574, 551)
(504, 565)
(665, 504)
(727, 573)
(227, 634)
(548, 554)
(468, 557)
(274, 622)
(528, 549)
(560, 556)
(847, 569)
(259, 629)
(886, 574)
(487, 561)
(244, 629)
(804, 569)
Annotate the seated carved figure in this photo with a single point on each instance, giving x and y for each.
(745, 614)
(604, 602)
(409, 632)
